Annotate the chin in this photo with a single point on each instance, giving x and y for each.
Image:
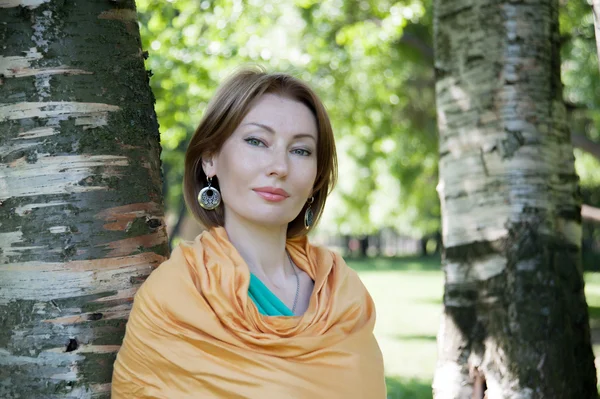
(270, 218)
(271, 222)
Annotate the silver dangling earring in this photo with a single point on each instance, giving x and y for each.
(209, 197)
(308, 215)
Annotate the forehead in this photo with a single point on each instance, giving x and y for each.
(283, 114)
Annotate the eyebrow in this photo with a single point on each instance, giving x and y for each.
(271, 130)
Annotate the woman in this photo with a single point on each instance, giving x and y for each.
(250, 309)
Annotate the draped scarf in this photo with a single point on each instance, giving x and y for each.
(193, 331)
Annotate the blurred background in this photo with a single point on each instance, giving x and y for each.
(371, 62)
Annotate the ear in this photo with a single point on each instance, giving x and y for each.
(209, 165)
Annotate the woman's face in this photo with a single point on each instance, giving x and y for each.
(267, 168)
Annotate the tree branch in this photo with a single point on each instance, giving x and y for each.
(417, 43)
(583, 143)
(590, 213)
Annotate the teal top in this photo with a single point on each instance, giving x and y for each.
(267, 303)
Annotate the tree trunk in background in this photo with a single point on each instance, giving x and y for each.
(515, 315)
(596, 13)
(81, 210)
(423, 245)
(364, 246)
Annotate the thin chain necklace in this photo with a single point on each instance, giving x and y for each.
(297, 283)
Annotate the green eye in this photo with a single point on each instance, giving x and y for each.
(301, 151)
(253, 141)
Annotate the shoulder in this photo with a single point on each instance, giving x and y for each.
(169, 277)
(176, 259)
(325, 256)
(346, 285)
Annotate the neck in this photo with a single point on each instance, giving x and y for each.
(262, 247)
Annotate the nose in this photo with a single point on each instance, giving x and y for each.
(278, 163)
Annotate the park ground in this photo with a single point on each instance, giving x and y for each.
(408, 297)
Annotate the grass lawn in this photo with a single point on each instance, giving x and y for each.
(408, 297)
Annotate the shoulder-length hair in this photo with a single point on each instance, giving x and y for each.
(232, 101)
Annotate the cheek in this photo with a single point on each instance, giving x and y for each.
(234, 168)
(308, 176)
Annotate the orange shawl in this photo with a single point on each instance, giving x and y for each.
(193, 331)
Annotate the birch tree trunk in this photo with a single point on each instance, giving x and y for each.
(81, 211)
(515, 317)
(596, 13)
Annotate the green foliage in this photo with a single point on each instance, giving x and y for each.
(579, 59)
(404, 263)
(588, 169)
(371, 61)
(376, 86)
(581, 78)
(398, 388)
(380, 93)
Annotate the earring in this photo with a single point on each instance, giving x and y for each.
(308, 215)
(209, 197)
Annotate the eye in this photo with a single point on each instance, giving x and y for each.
(255, 142)
(301, 151)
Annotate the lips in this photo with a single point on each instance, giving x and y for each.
(271, 194)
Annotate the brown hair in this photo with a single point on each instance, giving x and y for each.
(232, 101)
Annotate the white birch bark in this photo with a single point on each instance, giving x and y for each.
(515, 314)
(81, 213)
